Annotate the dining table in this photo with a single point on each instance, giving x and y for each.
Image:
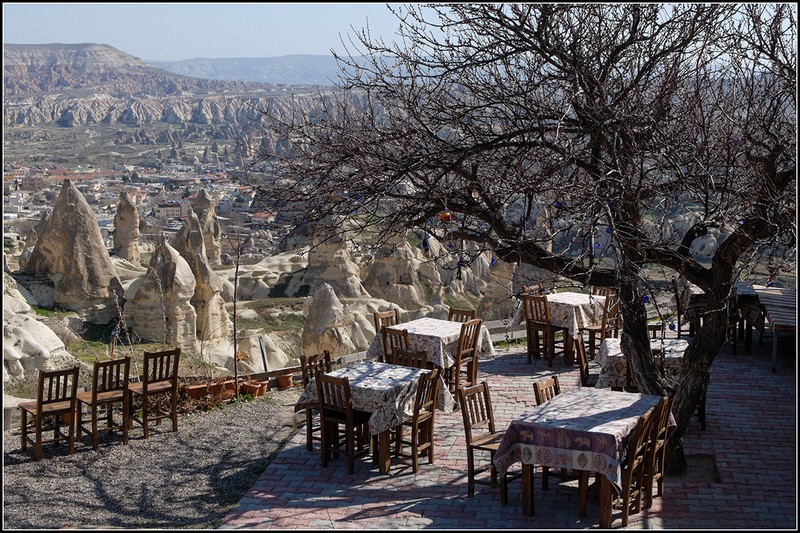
(586, 429)
(439, 338)
(614, 365)
(572, 311)
(385, 390)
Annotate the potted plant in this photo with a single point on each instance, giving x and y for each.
(285, 380)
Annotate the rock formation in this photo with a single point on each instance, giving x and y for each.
(126, 230)
(160, 309)
(330, 325)
(30, 241)
(212, 318)
(497, 302)
(28, 344)
(70, 251)
(393, 274)
(329, 261)
(204, 208)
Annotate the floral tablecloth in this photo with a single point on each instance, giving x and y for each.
(614, 367)
(387, 391)
(583, 429)
(571, 310)
(439, 338)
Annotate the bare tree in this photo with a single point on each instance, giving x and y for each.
(571, 138)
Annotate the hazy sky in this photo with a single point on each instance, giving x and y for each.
(184, 31)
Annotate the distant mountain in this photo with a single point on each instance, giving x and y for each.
(286, 70)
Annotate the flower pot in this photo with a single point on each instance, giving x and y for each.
(195, 391)
(250, 388)
(285, 380)
(263, 386)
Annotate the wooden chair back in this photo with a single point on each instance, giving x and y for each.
(603, 291)
(546, 389)
(412, 358)
(533, 288)
(333, 394)
(386, 318)
(657, 449)
(427, 392)
(310, 365)
(461, 315)
(111, 375)
(161, 369)
(395, 341)
(476, 410)
(466, 355)
(57, 388)
(536, 308)
(633, 467)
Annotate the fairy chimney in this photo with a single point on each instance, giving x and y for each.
(204, 208)
(161, 308)
(212, 318)
(71, 252)
(126, 230)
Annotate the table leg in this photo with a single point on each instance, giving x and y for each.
(527, 489)
(568, 349)
(774, 349)
(384, 456)
(605, 502)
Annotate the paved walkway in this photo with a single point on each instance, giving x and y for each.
(751, 433)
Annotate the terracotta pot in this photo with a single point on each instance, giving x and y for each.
(285, 380)
(251, 388)
(263, 387)
(195, 391)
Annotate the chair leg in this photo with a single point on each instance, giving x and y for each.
(414, 449)
(470, 474)
(145, 409)
(24, 429)
(125, 414)
(583, 491)
(309, 431)
(174, 402)
(38, 446)
(94, 426)
(545, 478)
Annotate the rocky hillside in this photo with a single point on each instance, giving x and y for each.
(106, 98)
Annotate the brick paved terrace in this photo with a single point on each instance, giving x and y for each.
(743, 466)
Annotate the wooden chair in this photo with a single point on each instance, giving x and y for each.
(421, 423)
(310, 365)
(159, 382)
(109, 388)
(657, 450)
(633, 468)
(395, 341)
(465, 369)
(336, 409)
(385, 319)
(56, 397)
(610, 323)
(413, 358)
(587, 379)
(545, 389)
(687, 313)
(482, 437)
(540, 331)
(461, 315)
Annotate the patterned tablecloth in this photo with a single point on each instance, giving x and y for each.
(571, 310)
(575, 310)
(583, 429)
(439, 338)
(614, 367)
(387, 391)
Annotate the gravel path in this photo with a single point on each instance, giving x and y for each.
(188, 479)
